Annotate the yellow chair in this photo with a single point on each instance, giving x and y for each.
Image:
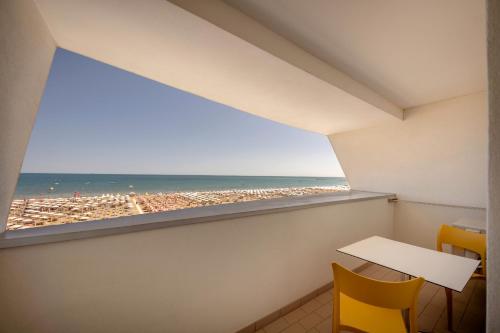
(471, 241)
(361, 304)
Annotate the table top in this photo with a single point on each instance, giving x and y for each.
(444, 269)
(470, 223)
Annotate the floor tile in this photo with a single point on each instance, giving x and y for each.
(276, 326)
(325, 310)
(325, 326)
(311, 306)
(295, 328)
(295, 315)
(429, 318)
(311, 320)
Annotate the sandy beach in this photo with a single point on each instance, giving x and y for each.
(38, 212)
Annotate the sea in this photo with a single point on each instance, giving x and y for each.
(32, 185)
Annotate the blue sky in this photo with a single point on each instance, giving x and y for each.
(95, 118)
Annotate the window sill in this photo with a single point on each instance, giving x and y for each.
(106, 227)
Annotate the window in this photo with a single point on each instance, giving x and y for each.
(108, 143)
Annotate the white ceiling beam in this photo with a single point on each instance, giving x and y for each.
(234, 21)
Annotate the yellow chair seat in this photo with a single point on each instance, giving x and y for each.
(369, 318)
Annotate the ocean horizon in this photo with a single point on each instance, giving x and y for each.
(66, 184)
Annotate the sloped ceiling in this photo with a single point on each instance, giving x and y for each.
(411, 52)
(163, 42)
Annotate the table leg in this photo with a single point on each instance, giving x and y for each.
(449, 308)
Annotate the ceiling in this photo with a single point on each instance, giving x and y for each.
(411, 52)
(163, 42)
(327, 66)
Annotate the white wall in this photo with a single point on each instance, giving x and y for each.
(209, 277)
(493, 286)
(438, 154)
(418, 223)
(26, 54)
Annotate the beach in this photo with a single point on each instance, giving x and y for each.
(44, 211)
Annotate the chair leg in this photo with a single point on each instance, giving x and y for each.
(449, 308)
(406, 312)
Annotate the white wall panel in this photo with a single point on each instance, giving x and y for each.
(209, 277)
(26, 52)
(438, 154)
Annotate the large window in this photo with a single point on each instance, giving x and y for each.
(108, 143)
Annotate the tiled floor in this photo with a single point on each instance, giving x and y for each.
(468, 309)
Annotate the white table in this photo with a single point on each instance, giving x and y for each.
(471, 224)
(444, 269)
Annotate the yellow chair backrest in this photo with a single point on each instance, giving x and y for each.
(392, 295)
(471, 241)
